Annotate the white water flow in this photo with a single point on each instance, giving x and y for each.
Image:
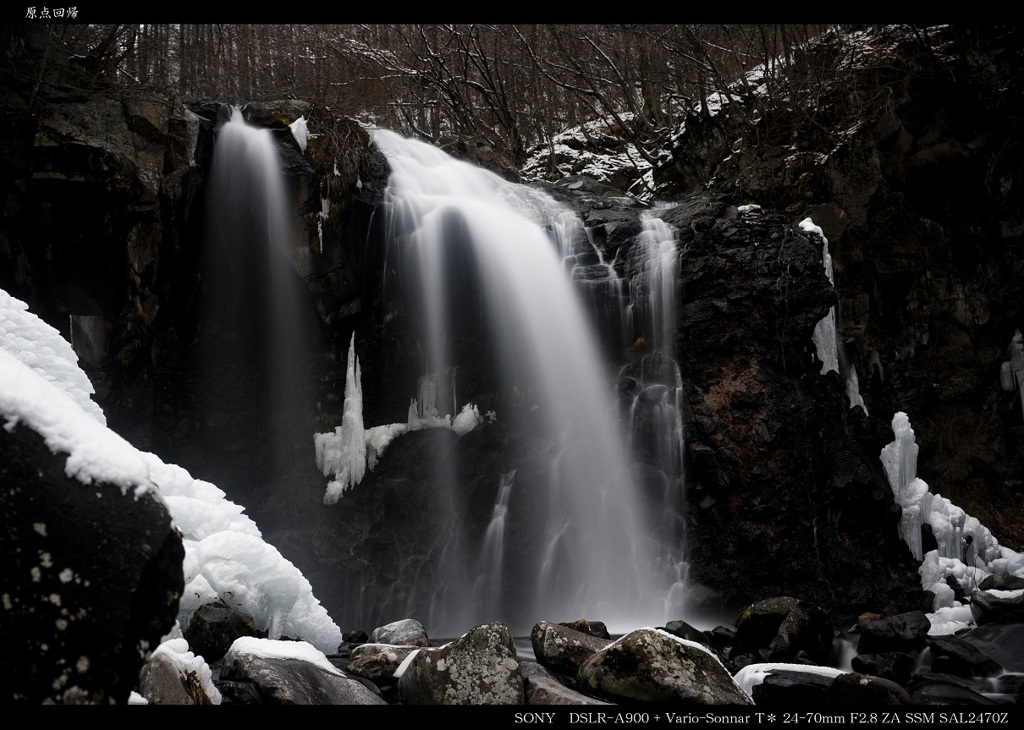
(255, 292)
(658, 241)
(655, 414)
(591, 551)
(492, 555)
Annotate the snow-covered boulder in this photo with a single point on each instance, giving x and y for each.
(650, 665)
(407, 632)
(90, 575)
(90, 564)
(293, 673)
(174, 675)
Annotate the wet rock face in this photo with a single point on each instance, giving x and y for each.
(920, 196)
(781, 629)
(97, 186)
(778, 466)
(91, 579)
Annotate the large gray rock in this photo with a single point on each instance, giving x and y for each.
(481, 668)
(542, 687)
(294, 681)
(649, 665)
(378, 662)
(563, 649)
(407, 632)
(902, 632)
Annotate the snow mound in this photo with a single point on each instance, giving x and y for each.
(41, 347)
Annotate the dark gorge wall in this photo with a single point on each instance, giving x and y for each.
(906, 151)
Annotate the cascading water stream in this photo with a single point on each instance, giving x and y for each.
(255, 380)
(658, 243)
(493, 552)
(655, 411)
(590, 549)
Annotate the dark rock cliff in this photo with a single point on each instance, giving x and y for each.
(903, 145)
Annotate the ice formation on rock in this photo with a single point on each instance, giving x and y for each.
(352, 449)
(344, 452)
(967, 550)
(824, 337)
(300, 131)
(44, 350)
(1012, 372)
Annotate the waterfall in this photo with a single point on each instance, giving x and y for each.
(467, 244)
(658, 245)
(256, 328)
(655, 382)
(492, 554)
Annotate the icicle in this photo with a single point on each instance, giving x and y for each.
(344, 452)
(853, 390)
(1011, 375)
(824, 337)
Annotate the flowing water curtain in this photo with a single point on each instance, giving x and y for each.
(590, 549)
(255, 297)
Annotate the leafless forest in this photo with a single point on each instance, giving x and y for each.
(510, 86)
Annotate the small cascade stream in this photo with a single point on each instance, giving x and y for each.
(492, 554)
(655, 414)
